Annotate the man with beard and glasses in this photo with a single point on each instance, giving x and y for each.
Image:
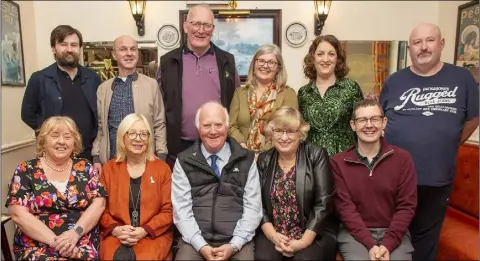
(191, 75)
(129, 92)
(376, 192)
(432, 108)
(64, 88)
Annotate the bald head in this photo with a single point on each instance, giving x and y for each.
(425, 29)
(124, 40)
(425, 47)
(201, 10)
(125, 52)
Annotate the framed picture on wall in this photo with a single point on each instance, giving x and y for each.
(242, 35)
(402, 55)
(13, 66)
(467, 38)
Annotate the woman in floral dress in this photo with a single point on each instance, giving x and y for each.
(297, 194)
(326, 102)
(56, 199)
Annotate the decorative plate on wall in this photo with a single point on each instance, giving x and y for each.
(168, 36)
(296, 34)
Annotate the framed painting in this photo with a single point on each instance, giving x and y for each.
(402, 55)
(467, 38)
(242, 35)
(13, 65)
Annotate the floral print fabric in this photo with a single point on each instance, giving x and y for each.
(258, 109)
(329, 116)
(30, 188)
(286, 216)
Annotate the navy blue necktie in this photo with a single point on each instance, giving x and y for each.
(214, 158)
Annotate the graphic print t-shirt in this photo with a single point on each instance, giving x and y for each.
(426, 117)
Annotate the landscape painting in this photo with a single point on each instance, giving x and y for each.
(243, 35)
(242, 38)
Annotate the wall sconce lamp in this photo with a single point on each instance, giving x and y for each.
(322, 8)
(138, 11)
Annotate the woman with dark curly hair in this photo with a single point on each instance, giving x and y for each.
(326, 102)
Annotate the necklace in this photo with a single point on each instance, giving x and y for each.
(135, 205)
(52, 167)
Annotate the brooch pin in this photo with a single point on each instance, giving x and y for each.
(151, 180)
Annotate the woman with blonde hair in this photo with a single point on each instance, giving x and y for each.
(137, 221)
(56, 199)
(297, 186)
(266, 90)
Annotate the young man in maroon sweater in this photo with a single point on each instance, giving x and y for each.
(376, 191)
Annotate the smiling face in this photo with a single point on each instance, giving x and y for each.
(199, 28)
(125, 52)
(325, 59)
(286, 139)
(266, 67)
(67, 52)
(368, 124)
(212, 127)
(59, 143)
(425, 45)
(136, 139)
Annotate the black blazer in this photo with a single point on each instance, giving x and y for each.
(314, 187)
(43, 95)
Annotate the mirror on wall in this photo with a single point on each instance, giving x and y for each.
(98, 56)
(371, 62)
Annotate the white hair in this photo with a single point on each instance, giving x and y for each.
(197, 115)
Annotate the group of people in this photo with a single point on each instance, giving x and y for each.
(252, 172)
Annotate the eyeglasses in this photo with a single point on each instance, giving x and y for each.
(197, 25)
(133, 135)
(280, 132)
(375, 120)
(270, 63)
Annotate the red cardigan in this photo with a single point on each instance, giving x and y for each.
(383, 198)
(156, 215)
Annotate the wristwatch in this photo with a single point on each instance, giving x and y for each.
(78, 230)
(234, 248)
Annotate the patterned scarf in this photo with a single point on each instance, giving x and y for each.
(257, 109)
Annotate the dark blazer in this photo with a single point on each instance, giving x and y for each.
(43, 95)
(314, 187)
(171, 71)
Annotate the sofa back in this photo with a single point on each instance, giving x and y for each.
(464, 196)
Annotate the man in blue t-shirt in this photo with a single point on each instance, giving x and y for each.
(432, 108)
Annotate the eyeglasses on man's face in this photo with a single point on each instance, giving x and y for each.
(375, 120)
(270, 63)
(142, 135)
(206, 26)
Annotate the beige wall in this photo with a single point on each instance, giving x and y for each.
(14, 130)
(17, 138)
(348, 20)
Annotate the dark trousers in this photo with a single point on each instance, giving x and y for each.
(324, 249)
(86, 154)
(171, 162)
(172, 158)
(427, 223)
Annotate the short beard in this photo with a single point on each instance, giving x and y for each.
(65, 63)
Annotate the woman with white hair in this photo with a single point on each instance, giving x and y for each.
(137, 221)
(266, 91)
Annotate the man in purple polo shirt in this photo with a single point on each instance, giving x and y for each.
(191, 75)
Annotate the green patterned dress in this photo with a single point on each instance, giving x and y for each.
(329, 117)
